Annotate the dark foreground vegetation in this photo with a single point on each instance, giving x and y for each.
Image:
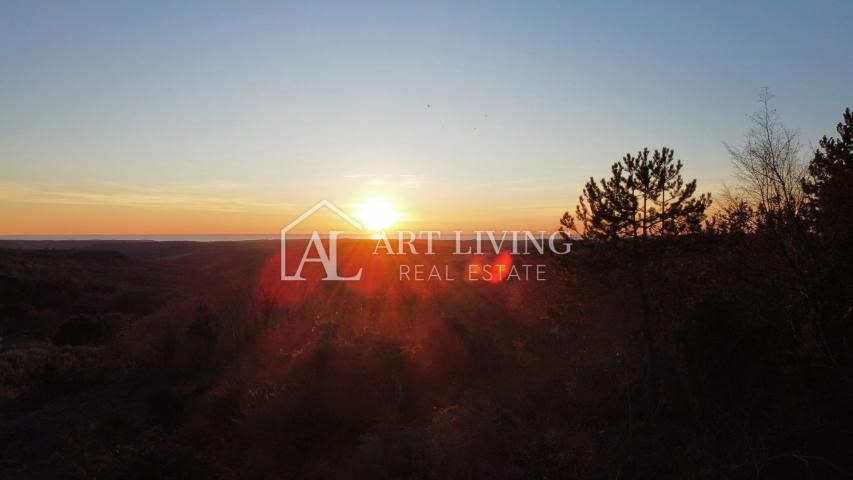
(668, 345)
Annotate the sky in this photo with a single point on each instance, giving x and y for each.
(224, 118)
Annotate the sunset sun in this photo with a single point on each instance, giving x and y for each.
(377, 214)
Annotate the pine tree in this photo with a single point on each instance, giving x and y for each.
(828, 211)
(607, 210)
(828, 205)
(644, 196)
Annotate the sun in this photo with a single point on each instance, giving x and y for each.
(377, 214)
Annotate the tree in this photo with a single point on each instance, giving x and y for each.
(768, 165)
(645, 195)
(828, 208)
(828, 204)
(607, 210)
(770, 171)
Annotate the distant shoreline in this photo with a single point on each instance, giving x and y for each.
(154, 238)
(184, 238)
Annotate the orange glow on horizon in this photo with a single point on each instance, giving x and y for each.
(381, 215)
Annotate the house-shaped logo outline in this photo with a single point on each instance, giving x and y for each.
(317, 206)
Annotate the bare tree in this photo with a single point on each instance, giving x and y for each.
(768, 163)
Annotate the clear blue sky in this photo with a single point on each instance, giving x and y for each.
(213, 117)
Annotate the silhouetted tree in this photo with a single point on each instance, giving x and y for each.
(768, 165)
(606, 210)
(828, 210)
(770, 173)
(645, 195)
(829, 186)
